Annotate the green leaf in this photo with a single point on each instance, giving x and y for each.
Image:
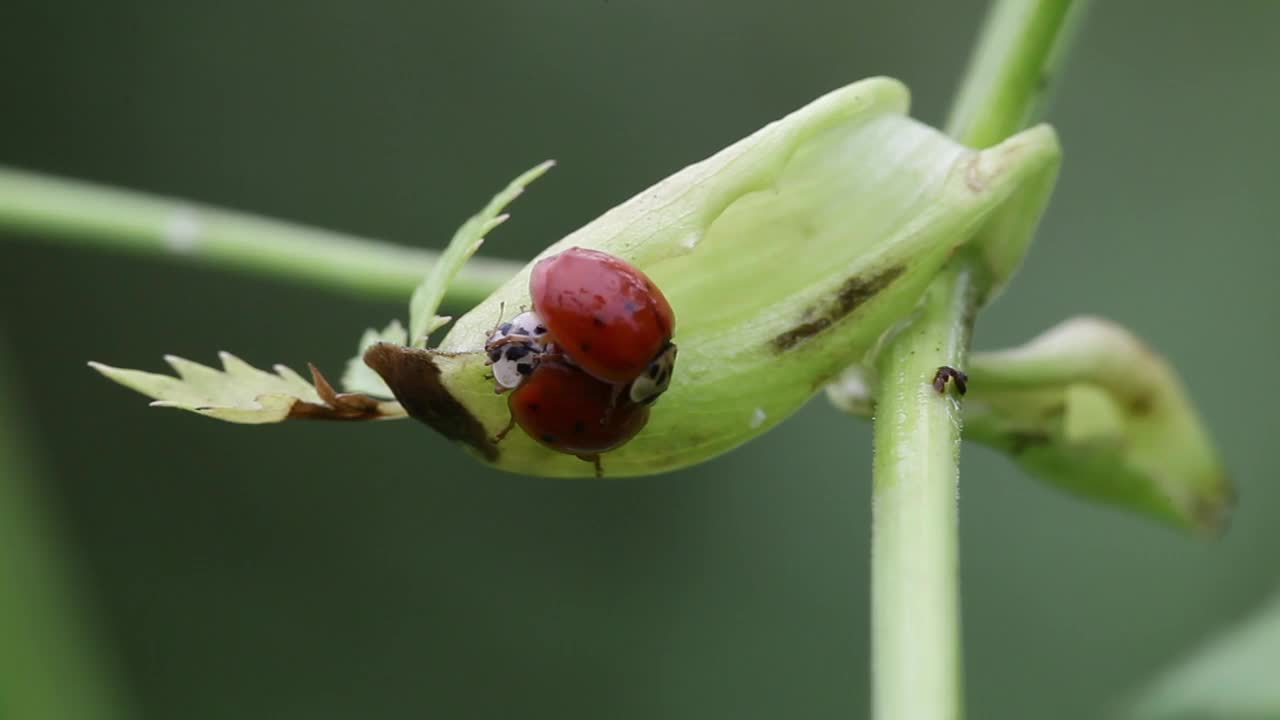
(241, 393)
(359, 377)
(785, 256)
(1234, 677)
(466, 241)
(1088, 407)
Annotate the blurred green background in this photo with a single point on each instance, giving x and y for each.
(337, 571)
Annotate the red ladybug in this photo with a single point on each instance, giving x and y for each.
(569, 411)
(608, 317)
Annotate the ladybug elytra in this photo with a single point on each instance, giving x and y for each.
(569, 411)
(603, 312)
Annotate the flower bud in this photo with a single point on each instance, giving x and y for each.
(785, 256)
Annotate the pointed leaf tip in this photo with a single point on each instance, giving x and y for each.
(245, 394)
(427, 296)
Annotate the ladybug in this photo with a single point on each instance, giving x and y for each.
(567, 410)
(514, 349)
(608, 318)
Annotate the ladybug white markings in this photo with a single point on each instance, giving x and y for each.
(656, 377)
(514, 349)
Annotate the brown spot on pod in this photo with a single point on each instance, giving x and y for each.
(414, 378)
(852, 294)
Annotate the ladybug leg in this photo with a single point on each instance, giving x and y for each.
(503, 433)
(948, 373)
(497, 389)
(553, 353)
(503, 342)
(523, 340)
(594, 460)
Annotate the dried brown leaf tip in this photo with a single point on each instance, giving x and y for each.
(342, 406)
(241, 393)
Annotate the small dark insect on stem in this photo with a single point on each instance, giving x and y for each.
(945, 373)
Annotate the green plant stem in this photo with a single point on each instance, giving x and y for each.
(915, 595)
(916, 652)
(92, 215)
(1012, 71)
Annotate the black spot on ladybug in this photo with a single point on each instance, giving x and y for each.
(598, 321)
(548, 438)
(579, 427)
(584, 347)
(533, 407)
(855, 292)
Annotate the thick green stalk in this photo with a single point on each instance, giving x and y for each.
(916, 652)
(915, 594)
(87, 214)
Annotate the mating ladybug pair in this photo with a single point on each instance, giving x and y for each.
(586, 363)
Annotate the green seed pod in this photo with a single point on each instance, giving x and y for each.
(1092, 409)
(785, 257)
